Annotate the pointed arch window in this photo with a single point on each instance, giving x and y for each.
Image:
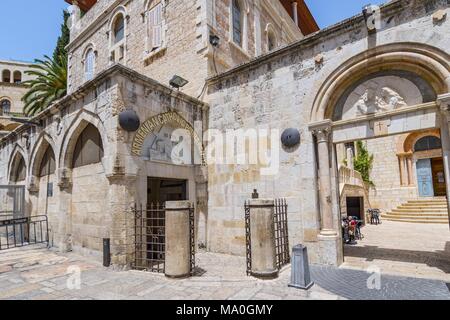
(89, 148)
(20, 173)
(48, 163)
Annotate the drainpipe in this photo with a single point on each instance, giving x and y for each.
(295, 12)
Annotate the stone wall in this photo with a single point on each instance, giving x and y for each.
(94, 202)
(186, 28)
(279, 91)
(388, 193)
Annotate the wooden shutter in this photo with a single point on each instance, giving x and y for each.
(155, 24)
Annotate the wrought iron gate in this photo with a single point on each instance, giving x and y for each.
(280, 222)
(150, 238)
(23, 232)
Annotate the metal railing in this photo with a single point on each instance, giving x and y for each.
(23, 232)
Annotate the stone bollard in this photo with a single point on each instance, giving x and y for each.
(178, 241)
(301, 276)
(262, 235)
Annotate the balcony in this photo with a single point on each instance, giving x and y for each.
(350, 177)
(9, 114)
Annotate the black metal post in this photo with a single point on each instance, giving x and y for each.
(106, 252)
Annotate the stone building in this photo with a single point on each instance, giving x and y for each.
(85, 167)
(12, 76)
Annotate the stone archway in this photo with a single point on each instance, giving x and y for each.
(389, 90)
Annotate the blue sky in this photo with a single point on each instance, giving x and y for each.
(30, 27)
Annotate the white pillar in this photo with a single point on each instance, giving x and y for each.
(330, 246)
(322, 136)
(444, 102)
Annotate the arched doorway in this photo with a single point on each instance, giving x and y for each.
(372, 99)
(430, 167)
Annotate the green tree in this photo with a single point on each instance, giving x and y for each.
(49, 84)
(63, 39)
(49, 75)
(363, 162)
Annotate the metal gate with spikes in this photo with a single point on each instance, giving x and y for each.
(150, 238)
(280, 221)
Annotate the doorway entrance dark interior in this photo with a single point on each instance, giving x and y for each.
(437, 167)
(355, 207)
(161, 190)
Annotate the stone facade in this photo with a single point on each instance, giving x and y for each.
(307, 85)
(12, 74)
(185, 49)
(94, 202)
(298, 87)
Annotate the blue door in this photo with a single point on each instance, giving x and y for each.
(425, 178)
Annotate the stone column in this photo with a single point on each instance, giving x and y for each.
(178, 239)
(322, 136)
(444, 103)
(262, 235)
(330, 251)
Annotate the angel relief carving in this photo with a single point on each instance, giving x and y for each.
(382, 100)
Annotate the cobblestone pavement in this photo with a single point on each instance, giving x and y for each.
(353, 285)
(404, 249)
(35, 273)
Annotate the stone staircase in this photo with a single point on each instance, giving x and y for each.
(433, 210)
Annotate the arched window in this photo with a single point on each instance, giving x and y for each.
(154, 19)
(271, 41)
(89, 65)
(237, 21)
(5, 107)
(48, 163)
(6, 76)
(119, 29)
(17, 77)
(20, 174)
(428, 143)
(89, 148)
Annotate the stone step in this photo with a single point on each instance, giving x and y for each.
(416, 216)
(431, 210)
(444, 202)
(417, 220)
(416, 205)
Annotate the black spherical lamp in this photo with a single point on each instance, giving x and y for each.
(129, 120)
(290, 138)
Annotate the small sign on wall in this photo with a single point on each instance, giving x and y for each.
(50, 189)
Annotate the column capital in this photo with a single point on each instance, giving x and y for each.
(321, 130)
(443, 101)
